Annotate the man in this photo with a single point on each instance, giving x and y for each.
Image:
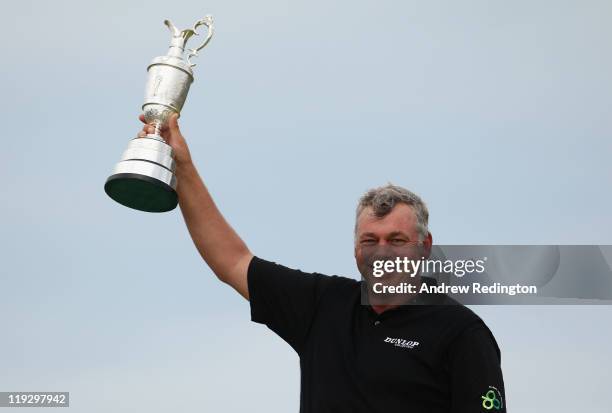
(383, 356)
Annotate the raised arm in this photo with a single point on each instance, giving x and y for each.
(217, 242)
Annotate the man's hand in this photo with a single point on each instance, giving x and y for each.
(218, 244)
(173, 137)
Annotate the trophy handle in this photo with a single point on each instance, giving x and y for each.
(208, 22)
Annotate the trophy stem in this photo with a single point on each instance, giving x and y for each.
(157, 124)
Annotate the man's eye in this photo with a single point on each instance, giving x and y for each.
(368, 242)
(398, 241)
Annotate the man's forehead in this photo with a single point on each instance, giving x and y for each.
(401, 218)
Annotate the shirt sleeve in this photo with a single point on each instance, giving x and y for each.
(285, 299)
(477, 383)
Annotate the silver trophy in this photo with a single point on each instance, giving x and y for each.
(144, 177)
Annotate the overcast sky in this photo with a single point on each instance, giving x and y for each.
(496, 112)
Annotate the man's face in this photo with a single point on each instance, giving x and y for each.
(394, 235)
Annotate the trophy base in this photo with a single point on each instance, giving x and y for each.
(141, 192)
(144, 178)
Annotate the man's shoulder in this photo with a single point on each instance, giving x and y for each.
(448, 308)
(339, 285)
(341, 280)
(271, 273)
(455, 311)
(465, 325)
(455, 319)
(463, 317)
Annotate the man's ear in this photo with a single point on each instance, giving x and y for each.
(427, 244)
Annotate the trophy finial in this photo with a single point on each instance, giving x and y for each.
(175, 32)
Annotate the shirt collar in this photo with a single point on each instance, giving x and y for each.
(422, 299)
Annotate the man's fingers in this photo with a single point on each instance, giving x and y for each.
(171, 128)
(148, 128)
(173, 124)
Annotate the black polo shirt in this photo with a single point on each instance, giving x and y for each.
(412, 358)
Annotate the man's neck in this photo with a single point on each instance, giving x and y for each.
(394, 302)
(382, 308)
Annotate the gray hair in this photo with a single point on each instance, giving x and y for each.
(384, 198)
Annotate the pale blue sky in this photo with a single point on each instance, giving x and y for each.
(497, 113)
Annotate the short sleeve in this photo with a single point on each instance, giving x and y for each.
(285, 299)
(477, 383)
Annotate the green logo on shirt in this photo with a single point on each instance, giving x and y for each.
(490, 400)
